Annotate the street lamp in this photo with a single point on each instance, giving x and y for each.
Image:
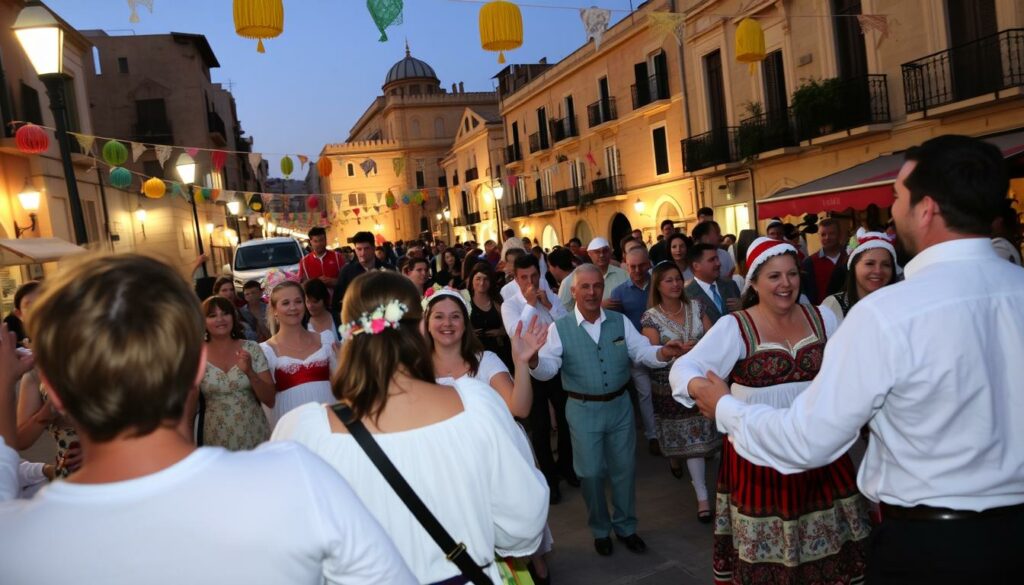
(234, 208)
(499, 192)
(187, 172)
(29, 198)
(41, 36)
(140, 216)
(639, 206)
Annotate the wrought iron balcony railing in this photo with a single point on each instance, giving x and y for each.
(538, 142)
(564, 128)
(601, 111)
(472, 174)
(568, 197)
(513, 153)
(847, 103)
(608, 186)
(709, 149)
(649, 91)
(987, 65)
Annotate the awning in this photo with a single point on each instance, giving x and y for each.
(36, 250)
(858, 186)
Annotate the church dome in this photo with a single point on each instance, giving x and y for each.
(409, 68)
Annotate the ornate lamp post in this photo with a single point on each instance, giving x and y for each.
(187, 172)
(41, 36)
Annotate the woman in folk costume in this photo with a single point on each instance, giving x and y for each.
(807, 528)
(871, 265)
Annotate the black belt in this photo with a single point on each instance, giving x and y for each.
(596, 397)
(930, 513)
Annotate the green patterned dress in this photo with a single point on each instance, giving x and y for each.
(233, 417)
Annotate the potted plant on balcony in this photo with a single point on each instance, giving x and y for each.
(816, 104)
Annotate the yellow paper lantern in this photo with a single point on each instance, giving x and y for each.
(259, 19)
(154, 188)
(501, 27)
(749, 42)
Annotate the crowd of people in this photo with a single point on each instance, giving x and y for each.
(408, 413)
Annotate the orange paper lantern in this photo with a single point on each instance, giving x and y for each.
(324, 166)
(154, 188)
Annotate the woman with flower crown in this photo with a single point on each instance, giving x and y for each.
(456, 445)
(300, 361)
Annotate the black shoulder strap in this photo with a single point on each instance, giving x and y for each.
(455, 553)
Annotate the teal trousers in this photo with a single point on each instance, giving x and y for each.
(604, 450)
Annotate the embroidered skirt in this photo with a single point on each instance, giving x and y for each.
(807, 528)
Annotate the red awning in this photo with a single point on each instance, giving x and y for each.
(858, 186)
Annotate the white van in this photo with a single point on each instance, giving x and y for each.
(253, 259)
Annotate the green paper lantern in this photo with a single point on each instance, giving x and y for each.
(287, 166)
(120, 178)
(385, 13)
(389, 199)
(115, 153)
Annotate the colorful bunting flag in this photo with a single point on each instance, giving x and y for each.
(137, 150)
(163, 153)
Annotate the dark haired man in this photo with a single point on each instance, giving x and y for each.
(705, 214)
(660, 251)
(708, 232)
(931, 365)
(416, 269)
(321, 263)
(560, 264)
(365, 248)
(720, 296)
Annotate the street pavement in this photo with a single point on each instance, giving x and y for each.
(678, 546)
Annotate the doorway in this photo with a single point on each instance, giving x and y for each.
(620, 229)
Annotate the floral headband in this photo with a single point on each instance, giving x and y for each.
(385, 316)
(436, 292)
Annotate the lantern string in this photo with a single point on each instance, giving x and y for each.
(576, 8)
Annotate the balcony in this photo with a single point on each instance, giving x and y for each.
(985, 66)
(458, 221)
(218, 132)
(601, 111)
(540, 205)
(764, 132)
(709, 149)
(843, 105)
(513, 153)
(538, 142)
(473, 217)
(518, 209)
(568, 197)
(153, 133)
(472, 174)
(608, 186)
(564, 128)
(649, 91)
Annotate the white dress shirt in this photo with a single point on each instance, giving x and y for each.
(932, 365)
(549, 359)
(516, 309)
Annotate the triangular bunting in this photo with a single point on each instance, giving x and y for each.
(192, 151)
(137, 149)
(84, 141)
(255, 159)
(163, 153)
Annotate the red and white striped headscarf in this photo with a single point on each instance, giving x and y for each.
(869, 241)
(761, 250)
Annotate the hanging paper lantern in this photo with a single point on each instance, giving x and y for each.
(501, 27)
(115, 153)
(749, 42)
(32, 139)
(405, 199)
(120, 177)
(259, 19)
(324, 166)
(287, 166)
(204, 194)
(217, 159)
(154, 188)
(385, 13)
(313, 202)
(214, 194)
(389, 199)
(256, 202)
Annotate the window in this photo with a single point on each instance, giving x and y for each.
(96, 60)
(71, 99)
(715, 90)
(356, 199)
(774, 83)
(151, 117)
(122, 64)
(351, 169)
(92, 222)
(420, 179)
(438, 127)
(851, 53)
(542, 124)
(30, 110)
(660, 139)
(414, 128)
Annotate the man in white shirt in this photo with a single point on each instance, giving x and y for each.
(932, 366)
(147, 506)
(592, 349)
(527, 298)
(601, 255)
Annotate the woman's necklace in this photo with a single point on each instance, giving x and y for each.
(671, 314)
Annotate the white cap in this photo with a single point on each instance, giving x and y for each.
(597, 244)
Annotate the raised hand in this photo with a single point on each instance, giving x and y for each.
(13, 362)
(526, 343)
(707, 392)
(244, 361)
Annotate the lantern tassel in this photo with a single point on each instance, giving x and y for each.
(501, 56)
(259, 47)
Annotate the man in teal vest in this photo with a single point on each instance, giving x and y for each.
(594, 349)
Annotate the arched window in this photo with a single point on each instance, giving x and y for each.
(351, 169)
(414, 128)
(438, 127)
